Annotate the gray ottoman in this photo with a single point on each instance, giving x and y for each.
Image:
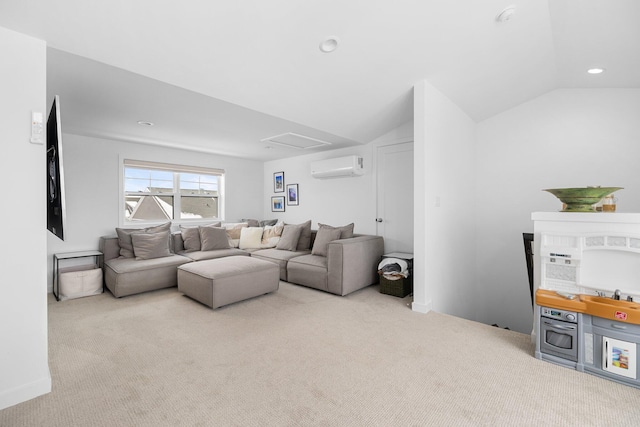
(222, 281)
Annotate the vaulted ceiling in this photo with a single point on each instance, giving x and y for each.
(221, 76)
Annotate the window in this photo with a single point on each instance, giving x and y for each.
(160, 192)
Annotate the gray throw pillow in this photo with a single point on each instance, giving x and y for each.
(323, 237)
(151, 245)
(191, 238)
(346, 231)
(251, 222)
(289, 239)
(266, 222)
(124, 237)
(212, 238)
(304, 243)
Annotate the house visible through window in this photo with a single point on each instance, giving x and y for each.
(160, 192)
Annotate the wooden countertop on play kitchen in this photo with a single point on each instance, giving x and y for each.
(551, 299)
(621, 311)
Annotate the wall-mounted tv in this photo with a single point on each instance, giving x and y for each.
(56, 214)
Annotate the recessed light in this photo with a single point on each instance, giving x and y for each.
(144, 123)
(506, 14)
(595, 70)
(329, 44)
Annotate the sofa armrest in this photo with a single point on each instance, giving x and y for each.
(352, 263)
(109, 246)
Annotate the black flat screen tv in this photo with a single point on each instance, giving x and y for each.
(56, 214)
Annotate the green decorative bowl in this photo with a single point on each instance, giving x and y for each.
(581, 199)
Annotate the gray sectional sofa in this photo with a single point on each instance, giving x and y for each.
(340, 262)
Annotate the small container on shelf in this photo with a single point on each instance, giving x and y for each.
(609, 203)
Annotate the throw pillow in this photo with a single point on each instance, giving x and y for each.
(304, 243)
(124, 237)
(290, 237)
(233, 233)
(271, 236)
(346, 231)
(251, 222)
(212, 238)
(190, 238)
(323, 237)
(266, 222)
(250, 238)
(150, 245)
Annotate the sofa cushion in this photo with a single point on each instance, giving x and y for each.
(218, 253)
(279, 257)
(212, 238)
(127, 276)
(311, 261)
(323, 237)
(304, 243)
(251, 238)
(346, 231)
(150, 245)
(290, 237)
(309, 270)
(124, 237)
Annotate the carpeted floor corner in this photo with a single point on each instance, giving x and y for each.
(300, 357)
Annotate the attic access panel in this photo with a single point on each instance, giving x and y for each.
(294, 140)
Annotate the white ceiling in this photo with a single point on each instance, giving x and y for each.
(220, 76)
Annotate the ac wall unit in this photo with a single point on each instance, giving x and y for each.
(338, 167)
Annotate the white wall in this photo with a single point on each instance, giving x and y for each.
(92, 183)
(444, 169)
(336, 201)
(24, 371)
(566, 138)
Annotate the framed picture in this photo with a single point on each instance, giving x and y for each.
(292, 195)
(278, 182)
(277, 204)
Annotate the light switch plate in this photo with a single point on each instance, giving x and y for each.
(37, 128)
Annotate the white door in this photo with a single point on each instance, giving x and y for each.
(394, 176)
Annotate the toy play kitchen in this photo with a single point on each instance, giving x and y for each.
(587, 299)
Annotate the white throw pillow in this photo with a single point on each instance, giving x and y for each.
(251, 237)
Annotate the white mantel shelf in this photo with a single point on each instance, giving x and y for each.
(593, 217)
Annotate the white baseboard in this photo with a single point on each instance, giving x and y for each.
(421, 308)
(25, 392)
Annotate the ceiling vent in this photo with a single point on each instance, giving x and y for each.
(293, 140)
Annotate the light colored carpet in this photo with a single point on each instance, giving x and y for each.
(300, 357)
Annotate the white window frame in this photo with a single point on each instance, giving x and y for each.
(176, 169)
